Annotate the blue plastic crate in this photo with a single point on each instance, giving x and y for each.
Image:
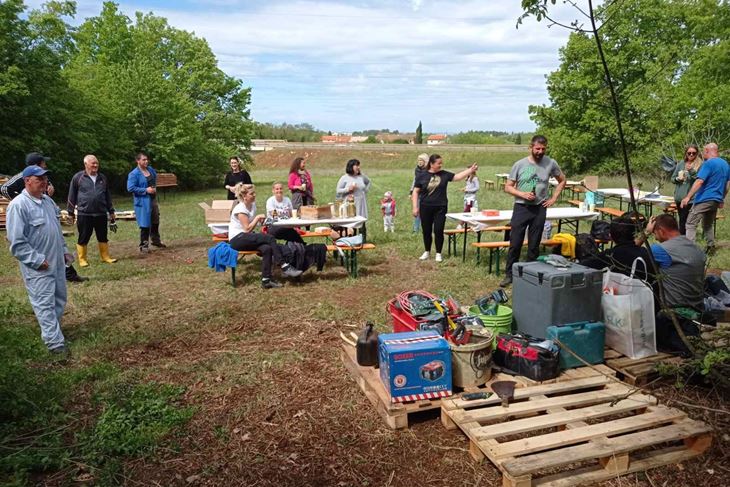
(586, 339)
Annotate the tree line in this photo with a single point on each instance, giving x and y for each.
(668, 59)
(113, 86)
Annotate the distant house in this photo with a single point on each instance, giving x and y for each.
(436, 139)
(358, 139)
(336, 139)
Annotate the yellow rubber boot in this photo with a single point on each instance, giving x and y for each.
(104, 252)
(81, 249)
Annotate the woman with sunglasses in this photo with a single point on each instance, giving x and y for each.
(683, 177)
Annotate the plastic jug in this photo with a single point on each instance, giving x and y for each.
(367, 346)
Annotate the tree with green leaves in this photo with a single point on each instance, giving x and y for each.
(664, 58)
(114, 86)
(419, 133)
(164, 92)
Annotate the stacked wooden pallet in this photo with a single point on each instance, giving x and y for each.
(3, 211)
(575, 432)
(396, 415)
(639, 371)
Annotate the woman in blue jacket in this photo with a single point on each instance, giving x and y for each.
(142, 183)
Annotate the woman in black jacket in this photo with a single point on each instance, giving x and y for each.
(236, 175)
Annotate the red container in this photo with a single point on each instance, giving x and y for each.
(403, 321)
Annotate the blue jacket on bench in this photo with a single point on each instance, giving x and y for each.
(222, 256)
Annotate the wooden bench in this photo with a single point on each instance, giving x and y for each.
(242, 253)
(489, 184)
(166, 180)
(498, 247)
(452, 235)
(220, 238)
(611, 212)
(350, 255)
(576, 191)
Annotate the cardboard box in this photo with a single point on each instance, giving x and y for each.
(415, 365)
(315, 212)
(219, 211)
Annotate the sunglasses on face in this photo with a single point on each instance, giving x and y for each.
(691, 153)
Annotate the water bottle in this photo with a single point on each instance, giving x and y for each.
(547, 229)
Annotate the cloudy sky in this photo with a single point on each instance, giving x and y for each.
(350, 65)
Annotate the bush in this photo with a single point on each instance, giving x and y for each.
(134, 419)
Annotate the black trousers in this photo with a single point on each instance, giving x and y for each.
(524, 217)
(433, 219)
(71, 273)
(683, 214)
(145, 233)
(288, 234)
(87, 225)
(266, 244)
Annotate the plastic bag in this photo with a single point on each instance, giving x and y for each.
(628, 313)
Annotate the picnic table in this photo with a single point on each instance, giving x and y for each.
(645, 198)
(353, 222)
(502, 178)
(564, 216)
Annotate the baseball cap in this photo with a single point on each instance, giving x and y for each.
(34, 171)
(34, 158)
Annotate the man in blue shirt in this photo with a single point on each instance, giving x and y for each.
(709, 191)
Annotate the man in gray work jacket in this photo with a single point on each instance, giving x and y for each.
(37, 242)
(15, 185)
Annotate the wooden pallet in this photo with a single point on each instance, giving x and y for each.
(396, 415)
(638, 371)
(575, 432)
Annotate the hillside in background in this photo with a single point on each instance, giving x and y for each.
(335, 159)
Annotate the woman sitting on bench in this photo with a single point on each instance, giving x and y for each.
(242, 236)
(279, 207)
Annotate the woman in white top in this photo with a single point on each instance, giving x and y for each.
(242, 235)
(279, 207)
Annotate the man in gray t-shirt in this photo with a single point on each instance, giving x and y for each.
(529, 182)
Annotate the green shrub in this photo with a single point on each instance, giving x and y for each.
(134, 419)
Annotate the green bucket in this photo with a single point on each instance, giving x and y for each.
(499, 323)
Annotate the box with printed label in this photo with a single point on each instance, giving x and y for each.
(415, 365)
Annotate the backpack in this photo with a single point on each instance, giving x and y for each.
(601, 230)
(585, 246)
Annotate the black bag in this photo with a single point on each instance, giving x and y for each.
(521, 355)
(585, 247)
(668, 339)
(601, 230)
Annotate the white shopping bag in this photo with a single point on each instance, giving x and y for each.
(628, 313)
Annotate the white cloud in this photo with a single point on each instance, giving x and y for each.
(348, 65)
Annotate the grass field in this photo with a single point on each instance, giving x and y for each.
(177, 378)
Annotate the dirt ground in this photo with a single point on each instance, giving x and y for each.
(275, 406)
